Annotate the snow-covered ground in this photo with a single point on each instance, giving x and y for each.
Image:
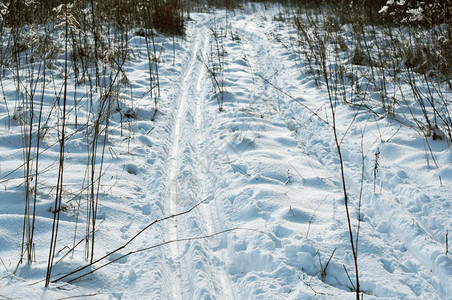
(262, 175)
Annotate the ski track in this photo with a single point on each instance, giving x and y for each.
(175, 197)
(208, 211)
(200, 275)
(174, 164)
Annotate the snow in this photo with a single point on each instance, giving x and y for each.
(263, 173)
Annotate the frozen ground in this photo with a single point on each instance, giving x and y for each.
(264, 173)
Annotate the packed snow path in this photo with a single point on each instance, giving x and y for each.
(199, 276)
(264, 167)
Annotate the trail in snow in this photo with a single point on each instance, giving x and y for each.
(208, 214)
(175, 164)
(199, 275)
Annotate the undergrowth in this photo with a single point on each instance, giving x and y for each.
(66, 62)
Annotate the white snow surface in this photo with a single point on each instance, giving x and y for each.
(266, 170)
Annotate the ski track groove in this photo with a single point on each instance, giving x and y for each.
(208, 211)
(174, 164)
(187, 262)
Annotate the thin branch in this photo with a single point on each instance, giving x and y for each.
(129, 241)
(156, 246)
(294, 99)
(349, 279)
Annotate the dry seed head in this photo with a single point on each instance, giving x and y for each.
(109, 58)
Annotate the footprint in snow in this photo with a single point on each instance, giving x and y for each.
(131, 169)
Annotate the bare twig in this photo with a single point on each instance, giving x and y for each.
(294, 99)
(129, 241)
(152, 247)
